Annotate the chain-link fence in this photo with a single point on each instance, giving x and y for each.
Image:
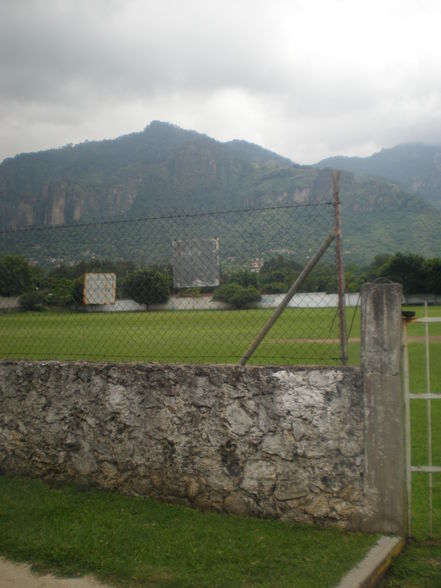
(184, 287)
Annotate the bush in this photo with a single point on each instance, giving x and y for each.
(244, 278)
(60, 292)
(77, 290)
(151, 286)
(15, 276)
(236, 295)
(275, 288)
(32, 300)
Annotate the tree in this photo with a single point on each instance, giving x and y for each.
(375, 266)
(60, 292)
(149, 286)
(236, 295)
(406, 269)
(275, 288)
(245, 278)
(15, 275)
(433, 275)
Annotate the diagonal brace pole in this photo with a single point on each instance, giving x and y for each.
(303, 275)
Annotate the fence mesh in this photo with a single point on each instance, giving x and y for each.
(194, 286)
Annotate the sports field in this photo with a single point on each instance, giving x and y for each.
(301, 335)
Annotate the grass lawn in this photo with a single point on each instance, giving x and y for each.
(132, 541)
(196, 336)
(418, 566)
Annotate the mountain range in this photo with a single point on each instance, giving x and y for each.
(415, 166)
(386, 207)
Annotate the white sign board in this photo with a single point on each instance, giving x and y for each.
(99, 288)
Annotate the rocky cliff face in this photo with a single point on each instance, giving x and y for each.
(162, 167)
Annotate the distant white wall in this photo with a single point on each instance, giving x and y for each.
(303, 300)
(9, 303)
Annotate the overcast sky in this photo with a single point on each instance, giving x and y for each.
(305, 78)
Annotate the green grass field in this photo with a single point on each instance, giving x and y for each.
(130, 541)
(300, 336)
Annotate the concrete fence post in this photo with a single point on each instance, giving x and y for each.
(381, 329)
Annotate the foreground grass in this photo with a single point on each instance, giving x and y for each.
(132, 541)
(418, 566)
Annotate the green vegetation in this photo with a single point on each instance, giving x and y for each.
(413, 165)
(150, 286)
(236, 295)
(303, 335)
(132, 541)
(418, 566)
(63, 285)
(15, 275)
(416, 274)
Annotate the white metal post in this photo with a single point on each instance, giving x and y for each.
(408, 432)
(429, 419)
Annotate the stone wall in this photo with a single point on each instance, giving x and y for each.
(265, 441)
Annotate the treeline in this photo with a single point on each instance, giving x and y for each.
(63, 285)
(417, 275)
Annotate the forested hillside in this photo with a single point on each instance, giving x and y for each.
(417, 167)
(165, 169)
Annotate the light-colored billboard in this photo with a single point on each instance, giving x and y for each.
(99, 288)
(196, 262)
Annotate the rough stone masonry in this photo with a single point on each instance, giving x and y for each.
(264, 441)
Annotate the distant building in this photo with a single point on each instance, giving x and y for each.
(256, 264)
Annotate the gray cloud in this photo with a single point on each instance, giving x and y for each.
(308, 79)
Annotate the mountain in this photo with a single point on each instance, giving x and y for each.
(168, 169)
(417, 167)
(163, 167)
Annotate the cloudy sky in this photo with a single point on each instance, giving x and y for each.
(305, 78)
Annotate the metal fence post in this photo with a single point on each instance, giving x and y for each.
(340, 268)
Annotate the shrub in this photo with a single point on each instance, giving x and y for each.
(60, 292)
(32, 300)
(275, 288)
(15, 276)
(150, 286)
(236, 295)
